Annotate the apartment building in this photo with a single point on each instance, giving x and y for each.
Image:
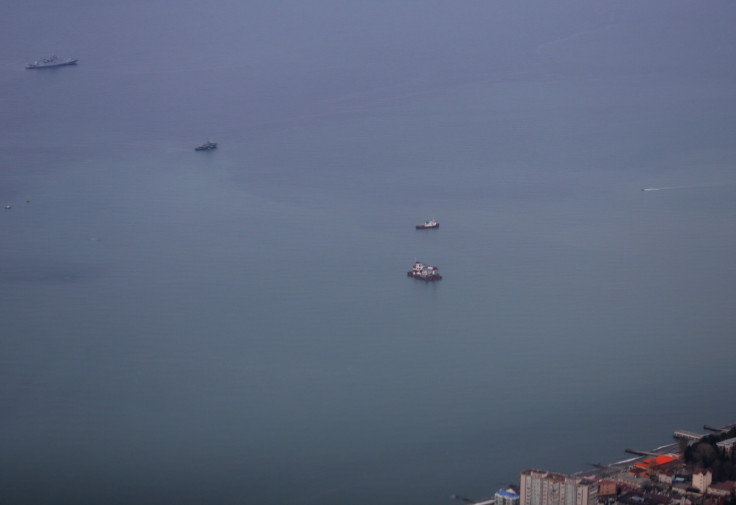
(540, 487)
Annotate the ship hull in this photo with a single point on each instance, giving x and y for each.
(34, 66)
(427, 278)
(424, 272)
(207, 146)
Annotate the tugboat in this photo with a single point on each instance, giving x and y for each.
(428, 225)
(424, 272)
(207, 146)
(52, 61)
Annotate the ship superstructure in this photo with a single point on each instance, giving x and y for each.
(424, 272)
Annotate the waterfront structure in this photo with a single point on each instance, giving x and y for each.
(540, 487)
(687, 435)
(652, 468)
(506, 497)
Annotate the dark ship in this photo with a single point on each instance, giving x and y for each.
(52, 61)
(424, 272)
(207, 146)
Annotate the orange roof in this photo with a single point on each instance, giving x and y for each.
(657, 461)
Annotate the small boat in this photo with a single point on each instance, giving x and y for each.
(428, 225)
(424, 272)
(8, 207)
(51, 62)
(207, 146)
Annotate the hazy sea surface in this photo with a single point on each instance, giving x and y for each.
(236, 326)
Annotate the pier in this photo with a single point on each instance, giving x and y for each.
(687, 435)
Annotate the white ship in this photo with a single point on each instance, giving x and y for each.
(432, 223)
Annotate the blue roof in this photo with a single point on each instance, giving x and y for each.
(507, 494)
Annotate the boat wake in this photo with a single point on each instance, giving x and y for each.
(689, 186)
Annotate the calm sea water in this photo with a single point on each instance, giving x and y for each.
(237, 326)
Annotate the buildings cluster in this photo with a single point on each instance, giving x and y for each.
(656, 480)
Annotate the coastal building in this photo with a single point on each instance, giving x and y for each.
(702, 479)
(652, 467)
(727, 446)
(606, 489)
(540, 487)
(722, 488)
(666, 477)
(506, 497)
(638, 498)
(630, 481)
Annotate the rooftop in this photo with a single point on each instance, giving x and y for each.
(657, 461)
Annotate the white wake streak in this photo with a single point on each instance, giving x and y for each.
(666, 188)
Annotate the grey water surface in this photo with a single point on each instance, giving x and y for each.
(237, 327)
